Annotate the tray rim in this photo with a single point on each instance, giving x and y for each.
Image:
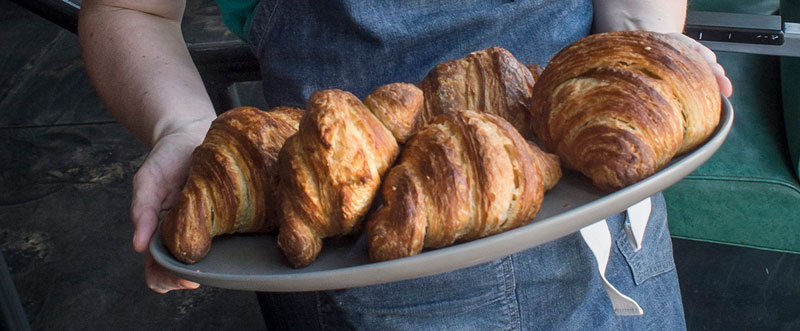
(464, 254)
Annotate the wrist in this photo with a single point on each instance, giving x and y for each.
(194, 129)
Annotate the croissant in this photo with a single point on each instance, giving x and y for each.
(618, 106)
(490, 80)
(464, 176)
(536, 71)
(232, 181)
(330, 173)
(399, 107)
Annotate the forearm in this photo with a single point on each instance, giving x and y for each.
(139, 64)
(663, 16)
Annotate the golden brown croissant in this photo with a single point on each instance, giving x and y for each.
(490, 80)
(536, 71)
(464, 176)
(232, 181)
(330, 172)
(618, 106)
(399, 107)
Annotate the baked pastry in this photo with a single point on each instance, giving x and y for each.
(232, 181)
(490, 80)
(536, 71)
(464, 176)
(330, 172)
(399, 107)
(618, 106)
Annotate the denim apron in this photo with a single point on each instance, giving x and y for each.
(304, 46)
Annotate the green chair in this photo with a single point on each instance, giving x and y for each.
(748, 193)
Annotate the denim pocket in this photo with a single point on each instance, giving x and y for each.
(655, 256)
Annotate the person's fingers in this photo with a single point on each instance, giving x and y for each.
(161, 281)
(725, 85)
(145, 206)
(707, 53)
(704, 51)
(155, 188)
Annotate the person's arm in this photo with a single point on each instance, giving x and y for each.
(665, 16)
(138, 62)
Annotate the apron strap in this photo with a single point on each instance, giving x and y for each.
(598, 237)
(638, 215)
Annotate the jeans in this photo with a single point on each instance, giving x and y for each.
(304, 46)
(555, 286)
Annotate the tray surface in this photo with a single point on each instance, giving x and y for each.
(254, 262)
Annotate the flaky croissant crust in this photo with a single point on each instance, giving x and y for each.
(618, 106)
(489, 80)
(330, 172)
(231, 185)
(399, 106)
(465, 176)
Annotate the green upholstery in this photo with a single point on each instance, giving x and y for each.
(748, 193)
(790, 74)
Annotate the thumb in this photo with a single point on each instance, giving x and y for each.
(145, 207)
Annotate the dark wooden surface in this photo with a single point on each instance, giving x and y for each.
(65, 192)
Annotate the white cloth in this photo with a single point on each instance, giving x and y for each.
(598, 238)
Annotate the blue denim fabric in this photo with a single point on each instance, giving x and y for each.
(555, 286)
(357, 46)
(304, 46)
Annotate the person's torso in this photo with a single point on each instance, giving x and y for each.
(304, 46)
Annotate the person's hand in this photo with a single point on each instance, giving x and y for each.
(725, 86)
(156, 187)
